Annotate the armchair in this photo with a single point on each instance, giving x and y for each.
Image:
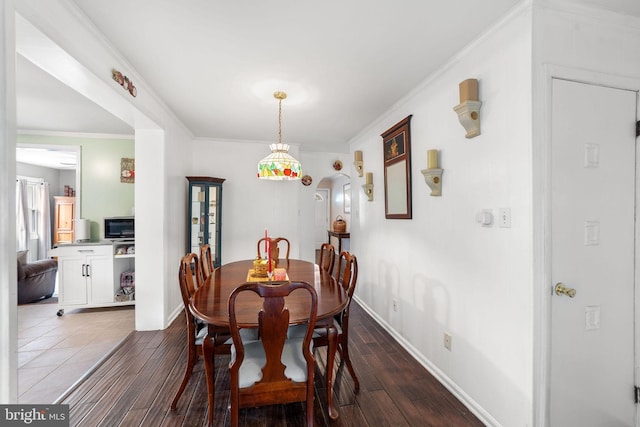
(36, 280)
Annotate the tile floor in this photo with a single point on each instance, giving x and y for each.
(55, 352)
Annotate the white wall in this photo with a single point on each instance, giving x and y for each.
(8, 290)
(446, 272)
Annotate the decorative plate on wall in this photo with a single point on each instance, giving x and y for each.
(306, 180)
(337, 165)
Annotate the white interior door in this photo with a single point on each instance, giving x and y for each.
(593, 162)
(322, 216)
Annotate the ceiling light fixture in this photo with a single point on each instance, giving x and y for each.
(279, 165)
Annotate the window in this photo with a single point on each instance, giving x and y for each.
(32, 188)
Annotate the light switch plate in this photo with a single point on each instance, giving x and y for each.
(504, 217)
(591, 156)
(591, 233)
(592, 317)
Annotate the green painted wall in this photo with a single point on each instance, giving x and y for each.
(102, 194)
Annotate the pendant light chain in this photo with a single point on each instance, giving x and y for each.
(280, 121)
(280, 96)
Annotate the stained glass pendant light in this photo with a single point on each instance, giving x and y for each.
(279, 165)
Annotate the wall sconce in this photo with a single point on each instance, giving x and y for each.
(357, 161)
(433, 174)
(469, 109)
(368, 187)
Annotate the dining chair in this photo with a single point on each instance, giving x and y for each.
(274, 247)
(206, 261)
(346, 275)
(189, 278)
(274, 369)
(327, 257)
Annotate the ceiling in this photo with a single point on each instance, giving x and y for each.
(50, 157)
(216, 64)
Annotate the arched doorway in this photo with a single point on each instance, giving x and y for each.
(333, 200)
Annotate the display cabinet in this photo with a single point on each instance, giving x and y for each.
(204, 215)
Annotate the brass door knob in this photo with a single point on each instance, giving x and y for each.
(562, 290)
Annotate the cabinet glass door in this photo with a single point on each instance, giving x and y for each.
(213, 217)
(205, 207)
(197, 217)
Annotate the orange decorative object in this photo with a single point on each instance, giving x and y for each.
(280, 274)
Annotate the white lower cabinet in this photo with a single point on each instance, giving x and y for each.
(87, 276)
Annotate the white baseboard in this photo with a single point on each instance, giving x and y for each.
(174, 315)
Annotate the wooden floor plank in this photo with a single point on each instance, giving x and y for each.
(135, 417)
(136, 385)
(102, 407)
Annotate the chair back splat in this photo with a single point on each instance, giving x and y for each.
(347, 272)
(274, 369)
(190, 268)
(274, 245)
(206, 261)
(327, 257)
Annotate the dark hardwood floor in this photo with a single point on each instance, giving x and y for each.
(136, 385)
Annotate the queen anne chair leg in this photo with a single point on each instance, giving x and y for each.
(332, 335)
(343, 349)
(209, 370)
(192, 357)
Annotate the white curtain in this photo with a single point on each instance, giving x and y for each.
(22, 216)
(44, 220)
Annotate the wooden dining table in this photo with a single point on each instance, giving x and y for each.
(210, 304)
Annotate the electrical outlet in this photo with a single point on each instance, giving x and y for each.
(447, 341)
(395, 305)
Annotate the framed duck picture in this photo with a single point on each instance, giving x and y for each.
(396, 143)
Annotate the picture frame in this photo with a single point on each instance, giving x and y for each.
(346, 197)
(127, 170)
(396, 145)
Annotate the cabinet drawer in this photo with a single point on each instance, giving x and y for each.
(75, 250)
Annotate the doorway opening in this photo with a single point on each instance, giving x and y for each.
(333, 202)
